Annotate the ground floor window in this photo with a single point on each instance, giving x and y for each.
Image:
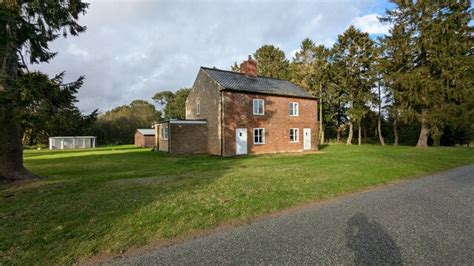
(258, 135)
(294, 135)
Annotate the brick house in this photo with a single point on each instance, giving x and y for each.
(230, 113)
(145, 138)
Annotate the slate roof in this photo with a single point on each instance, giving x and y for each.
(240, 82)
(146, 132)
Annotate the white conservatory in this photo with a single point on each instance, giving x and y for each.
(80, 142)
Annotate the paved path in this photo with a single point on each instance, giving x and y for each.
(425, 221)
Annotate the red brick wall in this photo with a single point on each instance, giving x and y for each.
(188, 138)
(144, 141)
(238, 113)
(138, 139)
(207, 92)
(149, 141)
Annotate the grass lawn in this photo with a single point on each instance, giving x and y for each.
(103, 201)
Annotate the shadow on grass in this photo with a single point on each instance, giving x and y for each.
(323, 146)
(102, 203)
(106, 202)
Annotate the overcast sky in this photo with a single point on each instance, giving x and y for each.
(134, 48)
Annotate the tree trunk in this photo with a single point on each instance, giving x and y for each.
(436, 136)
(379, 120)
(360, 135)
(379, 131)
(323, 140)
(338, 135)
(11, 148)
(338, 132)
(349, 137)
(424, 131)
(395, 133)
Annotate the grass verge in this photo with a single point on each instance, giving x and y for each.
(106, 200)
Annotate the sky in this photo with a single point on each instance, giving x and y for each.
(135, 48)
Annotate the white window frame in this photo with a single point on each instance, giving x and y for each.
(255, 103)
(294, 106)
(198, 108)
(296, 135)
(262, 136)
(164, 133)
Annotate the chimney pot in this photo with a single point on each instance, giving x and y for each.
(249, 67)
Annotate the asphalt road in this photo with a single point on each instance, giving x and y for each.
(424, 221)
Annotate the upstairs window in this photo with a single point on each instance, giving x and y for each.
(293, 109)
(198, 111)
(258, 136)
(258, 107)
(164, 133)
(294, 135)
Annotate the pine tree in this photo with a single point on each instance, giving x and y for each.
(301, 70)
(26, 28)
(40, 103)
(354, 57)
(235, 67)
(428, 60)
(271, 62)
(310, 70)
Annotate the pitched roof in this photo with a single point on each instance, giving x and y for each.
(146, 132)
(240, 82)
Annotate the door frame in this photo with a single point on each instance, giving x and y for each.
(308, 140)
(237, 138)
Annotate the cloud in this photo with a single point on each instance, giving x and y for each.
(370, 24)
(132, 49)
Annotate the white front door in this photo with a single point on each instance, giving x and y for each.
(241, 141)
(307, 138)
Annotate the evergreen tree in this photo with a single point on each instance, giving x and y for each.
(429, 63)
(271, 62)
(47, 107)
(354, 57)
(310, 70)
(302, 70)
(235, 67)
(26, 28)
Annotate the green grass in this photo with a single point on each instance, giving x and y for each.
(103, 201)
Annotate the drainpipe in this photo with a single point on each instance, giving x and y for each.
(222, 124)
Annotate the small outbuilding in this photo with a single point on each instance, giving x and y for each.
(182, 136)
(72, 142)
(145, 138)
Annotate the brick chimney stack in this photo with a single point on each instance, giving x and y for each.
(249, 67)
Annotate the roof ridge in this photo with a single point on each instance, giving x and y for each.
(240, 82)
(242, 74)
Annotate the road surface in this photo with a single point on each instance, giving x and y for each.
(424, 221)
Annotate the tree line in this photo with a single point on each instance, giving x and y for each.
(49, 110)
(412, 86)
